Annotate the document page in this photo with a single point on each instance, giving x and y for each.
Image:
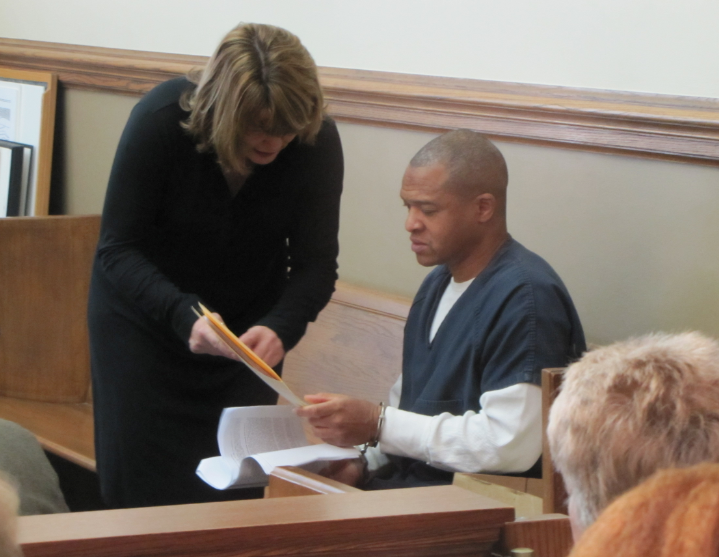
(255, 439)
(249, 430)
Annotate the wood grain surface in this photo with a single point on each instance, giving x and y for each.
(548, 535)
(354, 347)
(442, 520)
(45, 267)
(555, 494)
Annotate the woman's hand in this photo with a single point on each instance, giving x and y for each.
(203, 340)
(264, 342)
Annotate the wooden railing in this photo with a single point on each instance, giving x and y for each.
(430, 521)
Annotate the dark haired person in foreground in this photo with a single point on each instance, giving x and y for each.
(225, 190)
(482, 326)
(630, 409)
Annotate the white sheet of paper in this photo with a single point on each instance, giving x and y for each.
(253, 440)
(249, 430)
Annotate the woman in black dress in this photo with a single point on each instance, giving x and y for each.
(225, 189)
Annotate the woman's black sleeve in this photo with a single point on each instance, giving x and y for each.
(313, 244)
(137, 186)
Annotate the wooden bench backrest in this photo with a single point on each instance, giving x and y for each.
(354, 347)
(45, 267)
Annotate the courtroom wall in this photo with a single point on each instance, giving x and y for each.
(634, 239)
(638, 45)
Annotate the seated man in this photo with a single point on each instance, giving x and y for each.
(630, 409)
(482, 326)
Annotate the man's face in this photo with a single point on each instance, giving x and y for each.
(441, 224)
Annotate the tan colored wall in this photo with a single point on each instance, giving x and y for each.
(90, 129)
(634, 239)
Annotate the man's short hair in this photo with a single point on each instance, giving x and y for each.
(473, 162)
(630, 409)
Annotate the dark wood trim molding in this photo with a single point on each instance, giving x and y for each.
(659, 126)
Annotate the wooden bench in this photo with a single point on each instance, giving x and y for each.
(355, 347)
(44, 360)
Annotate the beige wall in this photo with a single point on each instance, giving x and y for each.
(636, 45)
(90, 127)
(634, 239)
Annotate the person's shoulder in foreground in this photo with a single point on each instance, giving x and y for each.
(23, 460)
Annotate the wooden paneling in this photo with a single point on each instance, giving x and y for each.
(45, 267)
(663, 126)
(446, 521)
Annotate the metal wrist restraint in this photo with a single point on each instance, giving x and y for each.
(375, 440)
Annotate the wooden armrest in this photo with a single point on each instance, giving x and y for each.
(290, 481)
(64, 429)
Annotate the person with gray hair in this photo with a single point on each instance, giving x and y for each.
(630, 409)
(23, 462)
(484, 323)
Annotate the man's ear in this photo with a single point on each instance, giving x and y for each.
(485, 205)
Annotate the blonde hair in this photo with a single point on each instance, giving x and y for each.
(673, 514)
(9, 504)
(629, 409)
(260, 78)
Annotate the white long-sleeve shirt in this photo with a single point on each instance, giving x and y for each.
(505, 436)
